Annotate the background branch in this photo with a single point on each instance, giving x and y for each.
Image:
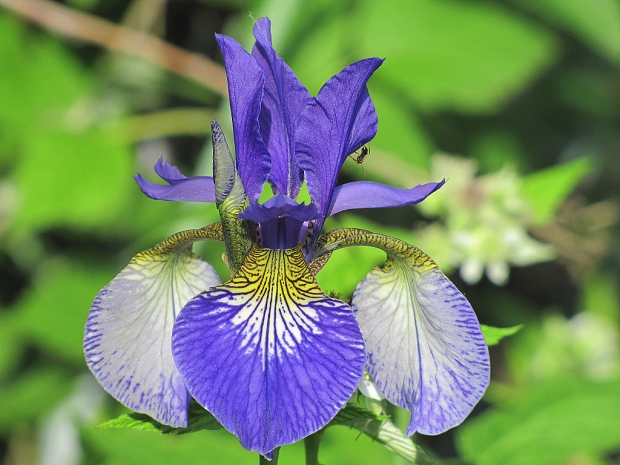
(82, 26)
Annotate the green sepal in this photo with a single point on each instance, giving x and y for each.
(198, 419)
(493, 335)
(381, 429)
(230, 201)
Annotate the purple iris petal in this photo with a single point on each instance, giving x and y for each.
(283, 100)
(279, 206)
(268, 354)
(180, 188)
(367, 194)
(281, 220)
(167, 172)
(245, 89)
(337, 122)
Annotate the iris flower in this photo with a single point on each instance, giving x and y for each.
(268, 353)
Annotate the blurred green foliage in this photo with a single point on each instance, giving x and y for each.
(526, 94)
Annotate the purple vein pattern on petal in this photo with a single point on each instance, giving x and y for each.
(337, 122)
(368, 194)
(245, 90)
(127, 340)
(425, 348)
(268, 354)
(283, 100)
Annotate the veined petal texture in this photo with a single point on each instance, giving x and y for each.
(283, 100)
(425, 348)
(245, 89)
(337, 122)
(129, 327)
(267, 353)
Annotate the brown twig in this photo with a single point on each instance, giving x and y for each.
(78, 25)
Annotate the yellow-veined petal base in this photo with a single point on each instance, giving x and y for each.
(129, 327)
(425, 348)
(268, 353)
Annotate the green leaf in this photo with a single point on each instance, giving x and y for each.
(596, 22)
(553, 422)
(448, 54)
(78, 179)
(53, 312)
(547, 189)
(381, 429)
(493, 335)
(198, 419)
(134, 447)
(400, 134)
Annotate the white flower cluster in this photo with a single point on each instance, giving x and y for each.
(484, 222)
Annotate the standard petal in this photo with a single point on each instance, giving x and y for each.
(129, 327)
(337, 122)
(425, 348)
(245, 90)
(368, 194)
(283, 101)
(268, 354)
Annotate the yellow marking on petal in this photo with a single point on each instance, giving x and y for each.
(276, 283)
(128, 332)
(184, 239)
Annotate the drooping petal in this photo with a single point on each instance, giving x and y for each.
(337, 122)
(180, 188)
(268, 354)
(425, 348)
(129, 327)
(368, 194)
(245, 90)
(195, 189)
(283, 100)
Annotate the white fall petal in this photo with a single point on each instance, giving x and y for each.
(127, 340)
(424, 345)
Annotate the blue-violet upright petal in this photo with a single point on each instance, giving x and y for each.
(283, 101)
(337, 122)
(245, 89)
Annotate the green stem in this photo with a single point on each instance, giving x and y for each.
(263, 461)
(312, 444)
